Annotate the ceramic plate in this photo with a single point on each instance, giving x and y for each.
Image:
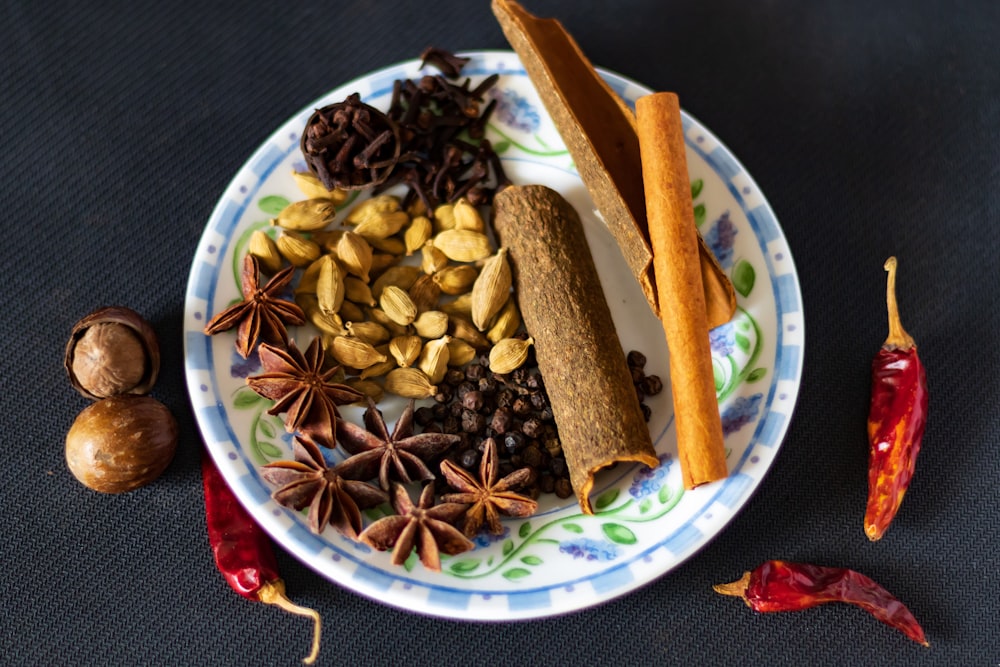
(558, 560)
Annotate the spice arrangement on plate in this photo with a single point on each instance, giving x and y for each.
(414, 295)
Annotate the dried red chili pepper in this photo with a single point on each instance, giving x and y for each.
(243, 551)
(896, 418)
(782, 586)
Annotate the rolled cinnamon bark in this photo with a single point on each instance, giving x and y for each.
(577, 348)
(677, 271)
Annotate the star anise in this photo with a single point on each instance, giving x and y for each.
(486, 497)
(303, 389)
(262, 314)
(309, 482)
(425, 527)
(401, 456)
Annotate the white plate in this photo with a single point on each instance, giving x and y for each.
(558, 560)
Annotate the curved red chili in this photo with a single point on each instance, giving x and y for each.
(243, 551)
(896, 418)
(783, 586)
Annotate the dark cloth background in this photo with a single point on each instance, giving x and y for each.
(872, 127)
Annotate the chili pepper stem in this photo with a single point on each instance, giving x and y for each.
(736, 588)
(898, 338)
(273, 592)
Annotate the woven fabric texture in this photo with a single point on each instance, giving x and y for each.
(872, 128)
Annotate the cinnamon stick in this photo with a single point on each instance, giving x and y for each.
(677, 271)
(577, 348)
(599, 130)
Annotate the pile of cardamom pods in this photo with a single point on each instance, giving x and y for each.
(398, 295)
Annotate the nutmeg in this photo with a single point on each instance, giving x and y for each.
(112, 351)
(121, 443)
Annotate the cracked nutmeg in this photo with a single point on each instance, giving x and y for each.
(112, 351)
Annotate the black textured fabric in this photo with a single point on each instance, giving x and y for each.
(873, 129)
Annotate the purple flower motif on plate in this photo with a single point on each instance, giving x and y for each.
(590, 549)
(515, 111)
(649, 480)
(743, 411)
(241, 368)
(720, 239)
(486, 539)
(722, 339)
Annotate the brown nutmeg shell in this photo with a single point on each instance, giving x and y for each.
(112, 351)
(121, 443)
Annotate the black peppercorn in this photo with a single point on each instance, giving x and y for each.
(488, 384)
(502, 420)
(474, 372)
(444, 393)
(423, 416)
(473, 422)
(532, 427)
(647, 412)
(637, 375)
(513, 441)
(546, 483)
(453, 377)
(505, 398)
(652, 385)
(636, 359)
(563, 488)
(521, 406)
(468, 459)
(473, 400)
(532, 456)
(558, 466)
(450, 424)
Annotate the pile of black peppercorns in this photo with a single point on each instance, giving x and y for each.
(513, 410)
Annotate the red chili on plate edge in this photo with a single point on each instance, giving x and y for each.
(896, 418)
(243, 551)
(783, 586)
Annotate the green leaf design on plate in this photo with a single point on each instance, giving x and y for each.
(524, 530)
(743, 277)
(269, 449)
(245, 398)
(645, 506)
(720, 374)
(699, 215)
(619, 534)
(272, 204)
(508, 546)
(696, 186)
(501, 147)
(606, 499)
(742, 342)
(531, 560)
(573, 528)
(465, 565)
(515, 573)
(756, 374)
(267, 428)
(664, 495)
